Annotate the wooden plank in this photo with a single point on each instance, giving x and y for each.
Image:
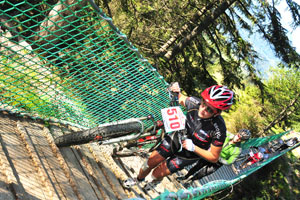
(7, 191)
(137, 190)
(33, 168)
(100, 179)
(58, 181)
(78, 172)
(79, 151)
(28, 136)
(111, 170)
(68, 173)
(26, 182)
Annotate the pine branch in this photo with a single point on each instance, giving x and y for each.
(198, 29)
(284, 113)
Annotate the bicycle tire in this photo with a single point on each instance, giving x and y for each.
(105, 132)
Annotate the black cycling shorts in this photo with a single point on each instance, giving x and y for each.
(174, 163)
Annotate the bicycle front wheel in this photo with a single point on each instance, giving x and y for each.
(97, 133)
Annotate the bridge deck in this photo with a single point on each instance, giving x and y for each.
(32, 167)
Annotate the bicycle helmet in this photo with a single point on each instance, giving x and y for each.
(261, 149)
(218, 96)
(245, 134)
(266, 156)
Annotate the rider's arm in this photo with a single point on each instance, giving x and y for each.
(211, 155)
(182, 99)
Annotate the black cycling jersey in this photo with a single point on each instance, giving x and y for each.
(204, 132)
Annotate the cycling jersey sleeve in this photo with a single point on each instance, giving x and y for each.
(219, 132)
(192, 103)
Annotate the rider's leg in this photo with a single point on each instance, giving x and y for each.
(154, 160)
(171, 166)
(206, 170)
(157, 175)
(200, 164)
(162, 152)
(161, 171)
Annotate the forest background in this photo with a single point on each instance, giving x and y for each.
(203, 42)
(200, 43)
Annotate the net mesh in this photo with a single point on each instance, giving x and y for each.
(66, 61)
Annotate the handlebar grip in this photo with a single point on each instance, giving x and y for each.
(173, 95)
(174, 99)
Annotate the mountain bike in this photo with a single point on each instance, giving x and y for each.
(247, 153)
(140, 147)
(130, 133)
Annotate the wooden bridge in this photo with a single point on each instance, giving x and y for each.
(33, 168)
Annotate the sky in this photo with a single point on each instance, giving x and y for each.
(286, 19)
(267, 55)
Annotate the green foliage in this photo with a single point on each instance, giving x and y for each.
(282, 97)
(246, 112)
(19, 85)
(153, 25)
(279, 111)
(25, 88)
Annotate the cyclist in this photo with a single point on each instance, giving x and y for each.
(230, 151)
(262, 154)
(288, 143)
(206, 133)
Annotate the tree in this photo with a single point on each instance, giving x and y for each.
(192, 41)
(282, 107)
(279, 112)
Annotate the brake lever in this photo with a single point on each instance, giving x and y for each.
(182, 138)
(174, 96)
(175, 99)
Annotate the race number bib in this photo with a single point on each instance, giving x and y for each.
(173, 118)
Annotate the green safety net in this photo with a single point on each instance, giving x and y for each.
(66, 61)
(221, 183)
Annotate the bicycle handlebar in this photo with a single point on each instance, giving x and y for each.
(174, 96)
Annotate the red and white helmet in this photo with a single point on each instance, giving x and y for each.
(218, 96)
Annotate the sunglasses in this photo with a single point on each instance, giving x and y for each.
(207, 108)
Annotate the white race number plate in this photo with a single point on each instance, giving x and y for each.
(173, 118)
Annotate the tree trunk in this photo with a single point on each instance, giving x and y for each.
(194, 20)
(198, 29)
(281, 115)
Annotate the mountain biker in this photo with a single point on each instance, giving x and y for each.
(230, 151)
(288, 143)
(262, 154)
(206, 133)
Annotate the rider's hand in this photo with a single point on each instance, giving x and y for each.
(175, 87)
(188, 145)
